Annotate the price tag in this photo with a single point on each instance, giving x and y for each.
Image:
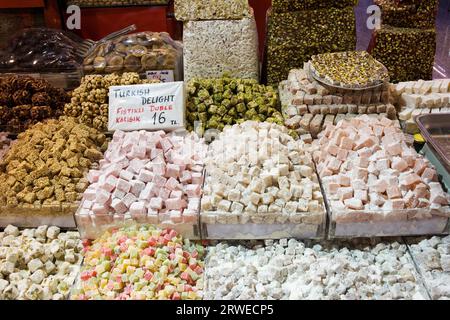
(146, 107)
(161, 75)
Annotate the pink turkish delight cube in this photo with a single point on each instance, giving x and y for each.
(145, 175)
(110, 183)
(136, 187)
(173, 170)
(129, 199)
(99, 209)
(399, 164)
(197, 178)
(176, 194)
(102, 196)
(158, 180)
(193, 190)
(136, 165)
(126, 175)
(90, 194)
(186, 177)
(119, 206)
(164, 193)
(138, 208)
(93, 176)
(172, 184)
(166, 144)
(175, 204)
(394, 149)
(155, 153)
(159, 169)
(123, 185)
(429, 175)
(156, 203)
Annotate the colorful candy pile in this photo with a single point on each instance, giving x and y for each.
(141, 263)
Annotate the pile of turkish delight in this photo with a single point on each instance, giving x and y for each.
(308, 106)
(367, 164)
(257, 173)
(150, 176)
(420, 97)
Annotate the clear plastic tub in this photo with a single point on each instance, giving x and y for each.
(405, 222)
(93, 226)
(31, 216)
(142, 52)
(304, 225)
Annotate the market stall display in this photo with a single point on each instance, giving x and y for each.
(290, 269)
(409, 13)
(138, 52)
(396, 48)
(376, 184)
(25, 101)
(419, 97)
(260, 183)
(147, 177)
(43, 173)
(432, 256)
(50, 54)
(215, 47)
(141, 262)
(192, 10)
(293, 37)
(308, 105)
(215, 103)
(89, 102)
(38, 264)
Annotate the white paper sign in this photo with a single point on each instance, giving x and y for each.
(161, 75)
(146, 106)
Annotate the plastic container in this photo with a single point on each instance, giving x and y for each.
(309, 226)
(141, 52)
(93, 226)
(31, 216)
(40, 50)
(49, 54)
(405, 222)
(227, 226)
(436, 130)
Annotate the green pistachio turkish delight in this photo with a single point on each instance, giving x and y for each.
(232, 100)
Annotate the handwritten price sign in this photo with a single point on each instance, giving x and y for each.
(146, 107)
